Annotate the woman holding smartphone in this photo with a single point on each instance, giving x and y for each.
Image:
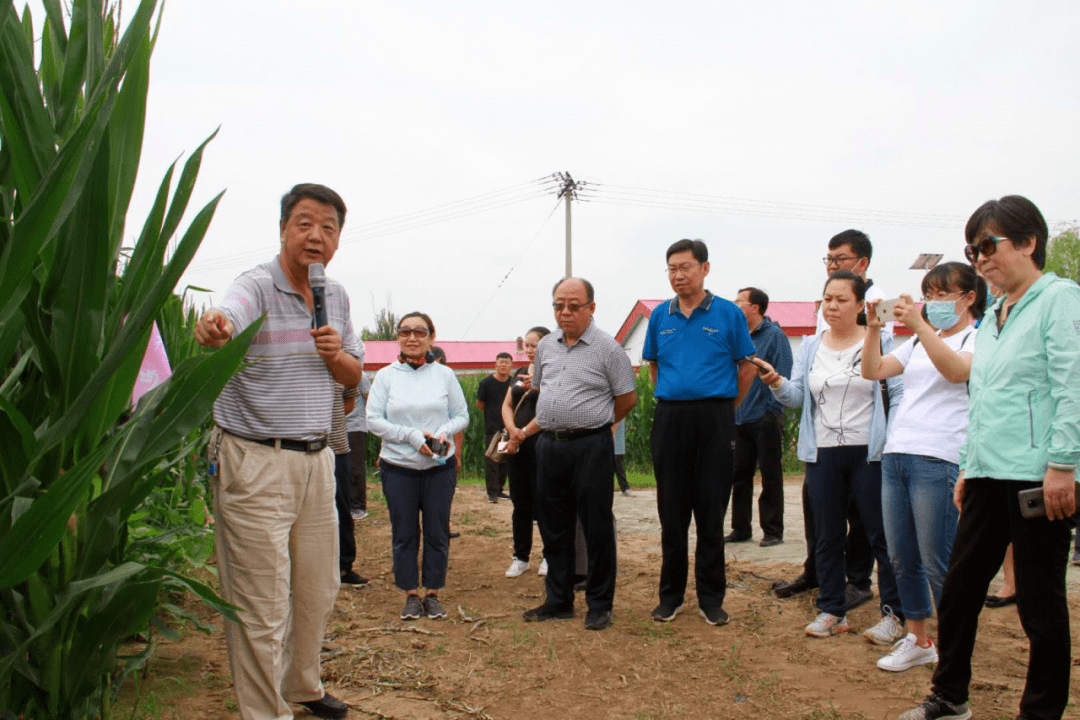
(415, 406)
(522, 471)
(922, 452)
(841, 438)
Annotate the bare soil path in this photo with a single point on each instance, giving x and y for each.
(485, 662)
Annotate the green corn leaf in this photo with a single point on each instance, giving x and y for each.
(126, 135)
(18, 445)
(183, 190)
(207, 595)
(142, 263)
(37, 531)
(24, 122)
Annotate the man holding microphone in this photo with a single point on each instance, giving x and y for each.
(275, 519)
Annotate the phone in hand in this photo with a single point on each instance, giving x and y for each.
(884, 310)
(438, 447)
(761, 369)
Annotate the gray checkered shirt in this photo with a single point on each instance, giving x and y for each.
(578, 384)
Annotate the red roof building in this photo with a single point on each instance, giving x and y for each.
(462, 355)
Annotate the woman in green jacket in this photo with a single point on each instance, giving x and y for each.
(1023, 432)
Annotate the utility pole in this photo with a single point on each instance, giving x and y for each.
(568, 191)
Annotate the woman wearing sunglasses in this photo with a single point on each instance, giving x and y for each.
(1023, 433)
(841, 437)
(922, 451)
(415, 406)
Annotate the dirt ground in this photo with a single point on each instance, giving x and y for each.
(485, 662)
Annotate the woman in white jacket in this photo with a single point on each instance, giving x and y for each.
(415, 406)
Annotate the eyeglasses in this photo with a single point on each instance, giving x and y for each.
(416, 332)
(986, 246)
(572, 307)
(684, 268)
(950, 296)
(837, 259)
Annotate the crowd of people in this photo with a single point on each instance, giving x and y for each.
(931, 457)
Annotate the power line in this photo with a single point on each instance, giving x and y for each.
(507, 275)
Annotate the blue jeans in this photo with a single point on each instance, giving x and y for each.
(920, 525)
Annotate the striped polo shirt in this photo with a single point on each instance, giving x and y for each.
(285, 390)
(578, 383)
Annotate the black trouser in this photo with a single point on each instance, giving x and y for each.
(358, 469)
(989, 521)
(574, 481)
(494, 473)
(759, 443)
(419, 499)
(346, 538)
(857, 551)
(620, 472)
(693, 460)
(522, 469)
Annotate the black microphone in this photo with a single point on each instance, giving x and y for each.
(316, 275)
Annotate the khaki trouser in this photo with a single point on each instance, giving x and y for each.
(277, 547)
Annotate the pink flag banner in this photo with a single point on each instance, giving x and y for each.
(154, 369)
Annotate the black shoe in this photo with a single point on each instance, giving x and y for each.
(504, 495)
(770, 541)
(597, 619)
(545, 612)
(351, 578)
(413, 608)
(454, 534)
(433, 608)
(997, 601)
(854, 597)
(734, 537)
(714, 616)
(799, 585)
(936, 708)
(665, 613)
(493, 498)
(328, 707)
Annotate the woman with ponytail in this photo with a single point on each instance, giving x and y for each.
(922, 450)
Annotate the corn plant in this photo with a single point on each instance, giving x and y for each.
(77, 461)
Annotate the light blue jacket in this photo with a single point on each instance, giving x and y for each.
(1025, 386)
(795, 392)
(405, 403)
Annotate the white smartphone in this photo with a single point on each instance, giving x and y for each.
(884, 310)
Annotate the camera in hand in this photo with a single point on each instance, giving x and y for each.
(437, 446)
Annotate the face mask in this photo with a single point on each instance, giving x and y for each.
(942, 313)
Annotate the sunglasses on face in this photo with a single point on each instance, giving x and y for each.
(417, 332)
(572, 307)
(986, 246)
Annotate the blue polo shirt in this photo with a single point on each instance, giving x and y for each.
(698, 356)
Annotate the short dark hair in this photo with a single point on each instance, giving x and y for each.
(539, 330)
(857, 239)
(858, 285)
(316, 192)
(583, 281)
(757, 297)
(957, 277)
(439, 353)
(422, 316)
(506, 355)
(698, 248)
(1015, 217)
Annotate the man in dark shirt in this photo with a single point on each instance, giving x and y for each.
(489, 400)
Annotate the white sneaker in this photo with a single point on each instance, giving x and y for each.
(517, 568)
(359, 514)
(888, 630)
(543, 568)
(825, 625)
(907, 654)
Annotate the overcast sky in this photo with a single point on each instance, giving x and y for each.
(788, 121)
